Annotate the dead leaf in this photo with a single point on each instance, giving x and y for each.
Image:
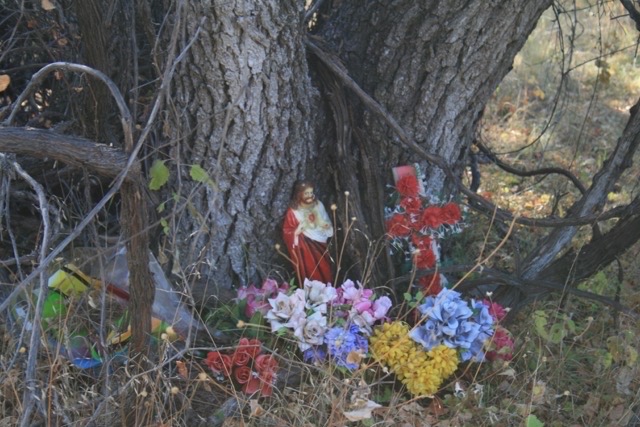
(4, 81)
(47, 5)
(256, 409)
(363, 412)
(182, 369)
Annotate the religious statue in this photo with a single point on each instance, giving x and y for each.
(306, 229)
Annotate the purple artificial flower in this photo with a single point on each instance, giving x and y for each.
(342, 341)
(314, 354)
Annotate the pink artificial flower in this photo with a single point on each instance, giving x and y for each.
(501, 345)
(381, 307)
(269, 287)
(495, 310)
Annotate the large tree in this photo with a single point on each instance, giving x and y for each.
(240, 99)
(233, 101)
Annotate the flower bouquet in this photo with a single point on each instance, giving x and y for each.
(246, 367)
(451, 330)
(327, 322)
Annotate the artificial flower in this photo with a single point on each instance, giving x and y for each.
(496, 310)
(342, 341)
(286, 309)
(431, 217)
(312, 331)
(422, 372)
(219, 363)
(314, 354)
(445, 317)
(424, 258)
(429, 284)
(411, 205)
(408, 186)
(501, 345)
(246, 350)
(450, 213)
(398, 226)
(318, 294)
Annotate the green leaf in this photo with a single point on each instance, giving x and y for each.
(557, 333)
(159, 174)
(533, 421)
(408, 297)
(540, 322)
(198, 174)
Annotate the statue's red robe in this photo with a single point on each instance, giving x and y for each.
(309, 256)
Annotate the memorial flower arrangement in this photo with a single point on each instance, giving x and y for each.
(327, 322)
(451, 330)
(246, 366)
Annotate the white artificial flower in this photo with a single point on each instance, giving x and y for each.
(285, 308)
(318, 293)
(313, 331)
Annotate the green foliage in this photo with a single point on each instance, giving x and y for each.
(413, 301)
(198, 174)
(555, 333)
(159, 174)
(533, 421)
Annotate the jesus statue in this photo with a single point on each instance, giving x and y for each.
(306, 229)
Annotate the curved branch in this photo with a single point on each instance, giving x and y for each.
(519, 172)
(79, 152)
(37, 78)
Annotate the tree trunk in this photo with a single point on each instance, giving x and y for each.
(241, 110)
(433, 65)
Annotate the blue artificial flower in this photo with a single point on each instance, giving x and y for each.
(342, 341)
(315, 354)
(446, 321)
(485, 322)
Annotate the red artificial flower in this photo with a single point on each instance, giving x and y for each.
(267, 379)
(430, 284)
(450, 213)
(501, 345)
(219, 363)
(247, 349)
(398, 226)
(431, 217)
(421, 242)
(495, 310)
(412, 205)
(249, 380)
(408, 186)
(265, 363)
(424, 258)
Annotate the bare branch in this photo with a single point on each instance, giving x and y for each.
(79, 152)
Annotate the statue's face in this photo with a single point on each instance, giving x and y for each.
(308, 196)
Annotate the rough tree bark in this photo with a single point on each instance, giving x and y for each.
(241, 110)
(245, 110)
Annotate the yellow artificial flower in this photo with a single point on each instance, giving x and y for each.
(422, 372)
